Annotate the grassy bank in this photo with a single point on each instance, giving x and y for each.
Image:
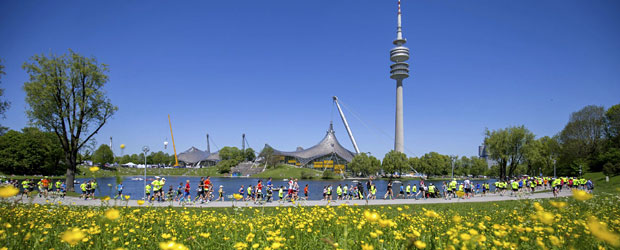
(122, 171)
(601, 185)
(541, 224)
(285, 172)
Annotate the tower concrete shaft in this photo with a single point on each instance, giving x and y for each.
(399, 138)
(399, 71)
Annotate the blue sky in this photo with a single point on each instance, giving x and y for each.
(269, 68)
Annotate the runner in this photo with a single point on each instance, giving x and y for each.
(119, 190)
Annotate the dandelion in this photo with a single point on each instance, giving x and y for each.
(240, 245)
(457, 219)
(72, 236)
(558, 204)
(237, 196)
(140, 202)
(166, 236)
(112, 214)
(105, 198)
(419, 244)
(93, 169)
(600, 231)
(171, 245)
(465, 237)
(431, 214)
(7, 191)
(554, 240)
(371, 216)
(581, 195)
(127, 197)
(367, 247)
(545, 217)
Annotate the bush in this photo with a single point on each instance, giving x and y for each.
(223, 167)
(610, 169)
(327, 174)
(306, 175)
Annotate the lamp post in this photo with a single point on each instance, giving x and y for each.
(452, 159)
(554, 176)
(145, 149)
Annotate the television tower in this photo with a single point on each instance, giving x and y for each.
(399, 70)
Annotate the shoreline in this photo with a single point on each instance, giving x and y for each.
(74, 201)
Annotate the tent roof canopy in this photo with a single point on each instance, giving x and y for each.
(194, 155)
(327, 146)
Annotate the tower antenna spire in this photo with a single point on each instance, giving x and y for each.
(399, 31)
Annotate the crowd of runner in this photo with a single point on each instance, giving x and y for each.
(205, 191)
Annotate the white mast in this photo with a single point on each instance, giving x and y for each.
(346, 125)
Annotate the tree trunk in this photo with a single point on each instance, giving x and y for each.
(71, 169)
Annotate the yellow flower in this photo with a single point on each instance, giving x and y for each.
(205, 235)
(112, 214)
(558, 204)
(8, 191)
(555, 240)
(367, 247)
(166, 236)
(255, 246)
(457, 219)
(581, 195)
(419, 244)
(240, 245)
(545, 217)
(600, 231)
(105, 198)
(72, 236)
(276, 245)
(237, 196)
(371, 216)
(431, 214)
(171, 245)
(93, 169)
(127, 197)
(465, 237)
(140, 202)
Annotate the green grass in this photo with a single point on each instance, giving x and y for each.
(523, 224)
(286, 171)
(601, 185)
(122, 171)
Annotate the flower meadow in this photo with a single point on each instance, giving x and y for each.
(579, 222)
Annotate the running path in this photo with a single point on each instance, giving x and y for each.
(229, 203)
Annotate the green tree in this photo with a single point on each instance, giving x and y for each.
(66, 95)
(581, 141)
(231, 153)
(267, 156)
(506, 147)
(4, 105)
(394, 162)
(250, 155)
(479, 166)
(360, 165)
(30, 152)
(364, 165)
(103, 155)
(415, 164)
(434, 163)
